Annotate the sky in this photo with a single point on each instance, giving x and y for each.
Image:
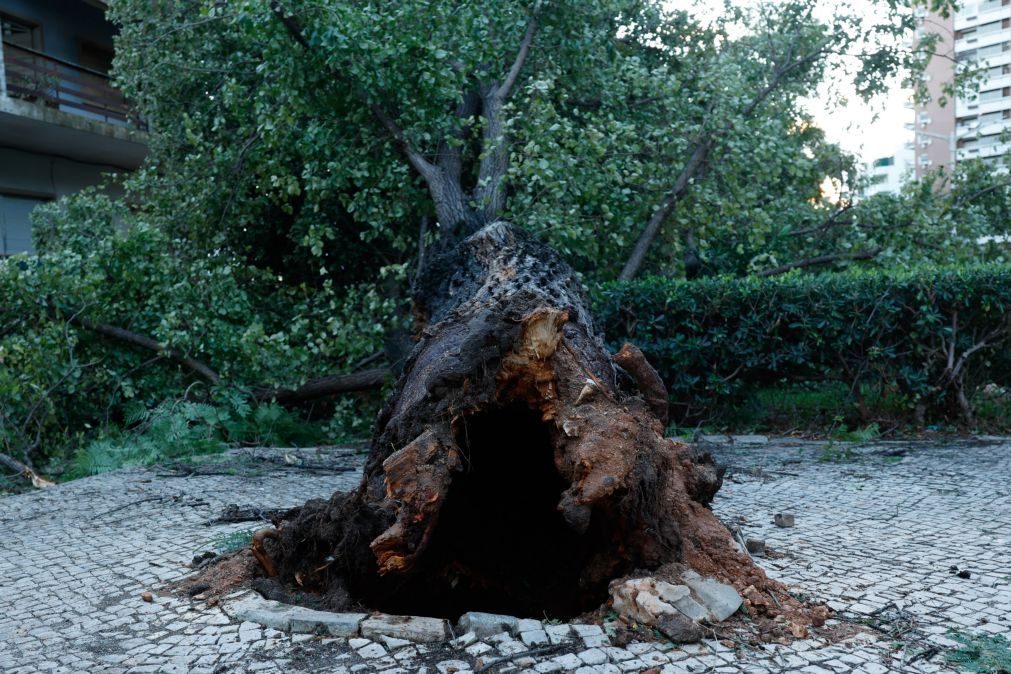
(869, 130)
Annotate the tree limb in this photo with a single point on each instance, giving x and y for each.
(670, 200)
(521, 55)
(318, 388)
(145, 342)
(325, 386)
(490, 193)
(24, 471)
(821, 259)
(696, 162)
(829, 222)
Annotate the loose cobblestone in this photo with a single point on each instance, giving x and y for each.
(878, 530)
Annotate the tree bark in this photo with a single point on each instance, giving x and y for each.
(518, 466)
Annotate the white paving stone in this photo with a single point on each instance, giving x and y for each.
(875, 538)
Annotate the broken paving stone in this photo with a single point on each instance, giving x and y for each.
(783, 520)
(558, 634)
(255, 609)
(372, 651)
(394, 643)
(413, 628)
(721, 600)
(679, 629)
(309, 621)
(464, 640)
(534, 638)
(452, 666)
(487, 624)
(644, 600)
(528, 625)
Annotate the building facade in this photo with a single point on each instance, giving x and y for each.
(63, 126)
(975, 124)
(888, 174)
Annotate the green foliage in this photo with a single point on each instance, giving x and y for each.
(715, 341)
(62, 385)
(989, 653)
(237, 540)
(275, 155)
(180, 430)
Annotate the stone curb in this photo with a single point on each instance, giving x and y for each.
(250, 607)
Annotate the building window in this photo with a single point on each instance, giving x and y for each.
(15, 226)
(20, 32)
(993, 95)
(992, 50)
(988, 28)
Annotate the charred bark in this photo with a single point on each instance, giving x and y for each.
(518, 466)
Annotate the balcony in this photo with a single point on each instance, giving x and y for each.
(36, 77)
(51, 106)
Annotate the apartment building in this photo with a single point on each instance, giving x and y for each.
(887, 174)
(63, 126)
(976, 123)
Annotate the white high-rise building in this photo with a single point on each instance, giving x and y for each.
(975, 124)
(983, 36)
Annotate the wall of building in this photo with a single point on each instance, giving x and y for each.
(64, 24)
(934, 124)
(27, 179)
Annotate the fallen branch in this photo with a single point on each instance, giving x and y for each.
(145, 342)
(325, 386)
(821, 259)
(317, 388)
(24, 471)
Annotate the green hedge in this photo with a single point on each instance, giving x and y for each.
(714, 341)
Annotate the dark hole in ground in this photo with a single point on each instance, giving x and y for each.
(500, 544)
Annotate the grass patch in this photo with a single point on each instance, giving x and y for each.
(980, 652)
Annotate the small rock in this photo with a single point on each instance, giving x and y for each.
(755, 546)
(147, 596)
(964, 574)
(783, 520)
(679, 629)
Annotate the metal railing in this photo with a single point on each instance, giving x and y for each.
(62, 85)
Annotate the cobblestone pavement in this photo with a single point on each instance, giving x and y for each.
(879, 531)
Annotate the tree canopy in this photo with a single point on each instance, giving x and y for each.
(304, 157)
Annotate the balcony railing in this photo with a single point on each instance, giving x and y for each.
(59, 84)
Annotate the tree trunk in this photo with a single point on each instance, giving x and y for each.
(518, 466)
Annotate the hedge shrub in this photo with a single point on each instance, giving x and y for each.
(929, 337)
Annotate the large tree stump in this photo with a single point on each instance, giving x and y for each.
(518, 466)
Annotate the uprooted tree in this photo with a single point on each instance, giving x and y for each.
(518, 466)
